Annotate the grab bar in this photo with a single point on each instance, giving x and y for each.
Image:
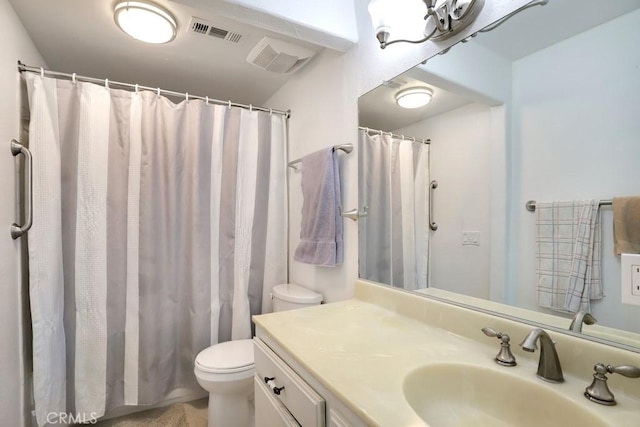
(17, 230)
(432, 223)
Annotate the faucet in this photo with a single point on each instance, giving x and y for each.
(579, 318)
(549, 368)
(504, 356)
(599, 391)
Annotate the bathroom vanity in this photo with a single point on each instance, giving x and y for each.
(391, 358)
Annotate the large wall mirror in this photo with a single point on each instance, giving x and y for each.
(546, 107)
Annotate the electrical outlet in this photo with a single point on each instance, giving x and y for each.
(630, 274)
(470, 238)
(635, 280)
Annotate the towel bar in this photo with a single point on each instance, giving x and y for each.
(354, 214)
(531, 204)
(347, 148)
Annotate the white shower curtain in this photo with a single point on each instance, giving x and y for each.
(394, 236)
(159, 229)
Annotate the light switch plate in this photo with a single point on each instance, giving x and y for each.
(630, 275)
(470, 238)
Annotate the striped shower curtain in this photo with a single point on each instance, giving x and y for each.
(394, 236)
(159, 228)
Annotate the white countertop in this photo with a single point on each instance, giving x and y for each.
(362, 352)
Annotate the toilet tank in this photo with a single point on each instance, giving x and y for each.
(289, 296)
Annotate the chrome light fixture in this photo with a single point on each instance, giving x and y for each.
(441, 18)
(145, 21)
(414, 97)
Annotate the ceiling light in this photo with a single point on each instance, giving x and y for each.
(145, 21)
(414, 97)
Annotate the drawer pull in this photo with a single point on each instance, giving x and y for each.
(272, 385)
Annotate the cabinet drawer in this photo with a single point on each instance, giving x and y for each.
(272, 412)
(302, 401)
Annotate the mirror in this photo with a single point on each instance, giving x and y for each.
(547, 108)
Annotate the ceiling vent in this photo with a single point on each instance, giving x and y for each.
(279, 56)
(394, 84)
(200, 26)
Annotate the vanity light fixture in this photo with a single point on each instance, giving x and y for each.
(145, 21)
(440, 19)
(414, 97)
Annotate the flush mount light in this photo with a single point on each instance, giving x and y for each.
(415, 97)
(145, 21)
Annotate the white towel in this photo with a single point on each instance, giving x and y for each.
(568, 255)
(321, 228)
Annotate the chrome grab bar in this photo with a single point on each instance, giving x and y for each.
(432, 223)
(17, 230)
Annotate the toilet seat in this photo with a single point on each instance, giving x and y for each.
(227, 357)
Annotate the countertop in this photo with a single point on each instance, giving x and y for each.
(362, 352)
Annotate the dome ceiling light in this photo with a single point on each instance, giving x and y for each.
(145, 21)
(415, 97)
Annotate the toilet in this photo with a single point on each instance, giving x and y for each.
(226, 370)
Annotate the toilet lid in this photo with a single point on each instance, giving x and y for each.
(230, 356)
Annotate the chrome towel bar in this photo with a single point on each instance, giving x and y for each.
(20, 230)
(347, 148)
(531, 204)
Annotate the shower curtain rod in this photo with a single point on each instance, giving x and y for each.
(395, 135)
(74, 77)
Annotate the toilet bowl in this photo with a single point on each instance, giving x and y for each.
(226, 370)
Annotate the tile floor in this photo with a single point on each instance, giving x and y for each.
(190, 414)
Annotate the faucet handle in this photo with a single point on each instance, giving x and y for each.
(599, 391)
(504, 356)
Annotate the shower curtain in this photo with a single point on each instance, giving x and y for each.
(158, 230)
(394, 236)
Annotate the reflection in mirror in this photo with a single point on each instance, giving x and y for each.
(517, 114)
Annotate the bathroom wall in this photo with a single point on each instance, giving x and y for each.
(323, 99)
(461, 162)
(560, 130)
(15, 44)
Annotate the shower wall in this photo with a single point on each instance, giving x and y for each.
(15, 44)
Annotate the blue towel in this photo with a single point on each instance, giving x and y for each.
(321, 227)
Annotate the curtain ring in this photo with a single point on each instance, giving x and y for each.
(186, 96)
(158, 92)
(106, 83)
(229, 104)
(271, 111)
(41, 72)
(73, 78)
(206, 100)
(137, 88)
(250, 108)
(403, 138)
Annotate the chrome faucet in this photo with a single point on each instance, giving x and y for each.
(549, 368)
(599, 391)
(580, 318)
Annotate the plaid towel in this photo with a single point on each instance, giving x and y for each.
(568, 254)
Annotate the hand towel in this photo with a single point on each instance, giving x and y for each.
(321, 226)
(626, 225)
(568, 255)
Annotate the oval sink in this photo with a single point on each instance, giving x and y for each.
(456, 394)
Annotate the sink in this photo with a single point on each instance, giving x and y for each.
(457, 394)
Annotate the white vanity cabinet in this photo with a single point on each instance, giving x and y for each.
(287, 395)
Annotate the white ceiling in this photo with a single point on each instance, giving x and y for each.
(528, 32)
(80, 36)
